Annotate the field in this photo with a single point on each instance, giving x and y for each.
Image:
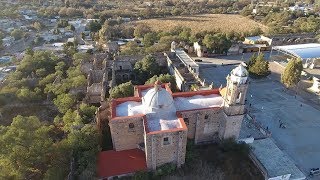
(209, 22)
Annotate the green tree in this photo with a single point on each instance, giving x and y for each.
(146, 68)
(185, 34)
(17, 34)
(26, 149)
(210, 41)
(141, 30)
(71, 119)
(39, 59)
(80, 57)
(26, 95)
(85, 148)
(29, 51)
(131, 48)
(292, 73)
(70, 48)
(164, 78)
(94, 26)
(87, 112)
(219, 43)
(64, 102)
(259, 66)
(252, 60)
(149, 39)
(82, 147)
(122, 90)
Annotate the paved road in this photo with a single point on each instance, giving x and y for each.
(272, 105)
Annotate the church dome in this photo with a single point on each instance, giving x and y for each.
(239, 74)
(158, 99)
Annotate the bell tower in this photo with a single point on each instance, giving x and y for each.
(236, 90)
(234, 102)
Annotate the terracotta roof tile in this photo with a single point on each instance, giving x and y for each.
(112, 163)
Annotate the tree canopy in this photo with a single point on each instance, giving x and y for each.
(17, 34)
(141, 30)
(26, 149)
(146, 68)
(219, 43)
(64, 102)
(258, 66)
(122, 90)
(164, 78)
(292, 73)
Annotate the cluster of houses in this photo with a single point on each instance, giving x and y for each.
(299, 6)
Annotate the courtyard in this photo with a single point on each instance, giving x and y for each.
(272, 105)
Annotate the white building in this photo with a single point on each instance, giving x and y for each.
(7, 41)
(308, 53)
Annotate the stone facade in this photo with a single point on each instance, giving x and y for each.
(203, 125)
(127, 133)
(97, 81)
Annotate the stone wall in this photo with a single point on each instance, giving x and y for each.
(231, 126)
(124, 137)
(158, 153)
(203, 125)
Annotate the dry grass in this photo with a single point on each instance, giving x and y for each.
(209, 22)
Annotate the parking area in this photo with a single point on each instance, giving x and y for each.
(272, 105)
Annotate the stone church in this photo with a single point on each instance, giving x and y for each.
(159, 122)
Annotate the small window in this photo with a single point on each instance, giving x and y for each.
(206, 116)
(166, 141)
(186, 120)
(131, 126)
(120, 67)
(238, 98)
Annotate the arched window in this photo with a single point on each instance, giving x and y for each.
(206, 116)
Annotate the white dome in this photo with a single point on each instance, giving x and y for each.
(239, 74)
(158, 99)
(240, 71)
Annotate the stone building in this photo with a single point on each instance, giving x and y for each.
(257, 44)
(122, 71)
(159, 122)
(121, 68)
(111, 47)
(97, 81)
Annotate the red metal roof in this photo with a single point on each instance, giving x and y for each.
(113, 163)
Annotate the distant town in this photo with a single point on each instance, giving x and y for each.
(168, 89)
